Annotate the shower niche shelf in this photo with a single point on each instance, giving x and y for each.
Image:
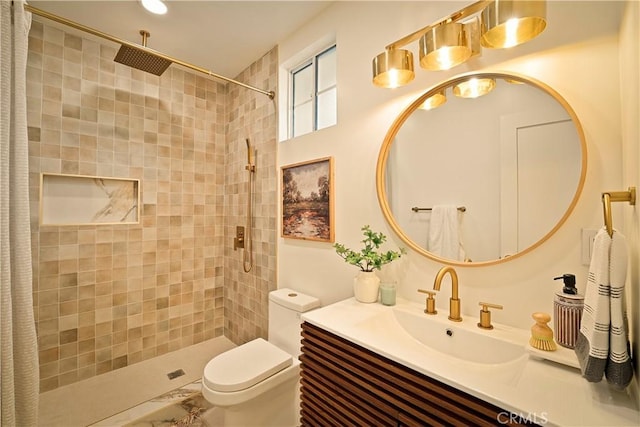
(82, 199)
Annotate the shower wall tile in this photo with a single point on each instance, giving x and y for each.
(250, 115)
(107, 296)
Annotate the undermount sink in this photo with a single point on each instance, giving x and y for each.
(463, 340)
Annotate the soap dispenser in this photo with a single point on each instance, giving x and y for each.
(567, 310)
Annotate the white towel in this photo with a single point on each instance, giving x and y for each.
(444, 233)
(602, 345)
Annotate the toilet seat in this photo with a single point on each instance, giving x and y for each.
(245, 366)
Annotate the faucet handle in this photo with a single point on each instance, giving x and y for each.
(485, 314)
(430, 302)
(487, 305)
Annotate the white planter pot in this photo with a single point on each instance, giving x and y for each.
(365, 286)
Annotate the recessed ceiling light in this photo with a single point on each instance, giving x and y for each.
(155, 6)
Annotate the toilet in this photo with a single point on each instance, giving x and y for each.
(257, 383)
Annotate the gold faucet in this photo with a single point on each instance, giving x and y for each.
(485, 315)
(454, 301)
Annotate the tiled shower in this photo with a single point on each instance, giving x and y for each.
(108, 296)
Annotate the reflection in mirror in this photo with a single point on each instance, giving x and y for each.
(515, 159)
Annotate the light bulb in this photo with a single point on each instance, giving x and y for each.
(155, 6)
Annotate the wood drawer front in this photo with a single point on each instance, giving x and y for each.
(343, 384)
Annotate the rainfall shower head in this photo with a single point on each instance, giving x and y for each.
(141, 59)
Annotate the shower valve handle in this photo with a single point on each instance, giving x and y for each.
(238, 241)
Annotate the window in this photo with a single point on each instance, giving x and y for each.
(313, 94)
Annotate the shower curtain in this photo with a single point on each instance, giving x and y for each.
(18, 342)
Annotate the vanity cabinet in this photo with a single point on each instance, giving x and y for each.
(343, 384)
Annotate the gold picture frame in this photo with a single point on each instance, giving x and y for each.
(307, 201)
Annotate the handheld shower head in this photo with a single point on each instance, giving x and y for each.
(250, 154)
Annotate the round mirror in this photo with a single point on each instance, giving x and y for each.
(481, 168)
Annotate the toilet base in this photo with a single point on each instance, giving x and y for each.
(279, 407)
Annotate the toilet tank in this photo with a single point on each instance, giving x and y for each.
(285, 308)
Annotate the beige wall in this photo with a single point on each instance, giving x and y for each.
(107, 296)
(630, 90)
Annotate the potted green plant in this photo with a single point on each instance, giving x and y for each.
(368, 259)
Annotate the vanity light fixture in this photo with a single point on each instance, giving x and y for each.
(444, 46)
(155, 6)
(474, 88)
(434, 101)
(393, 68)
(459, 36)
(510, 23)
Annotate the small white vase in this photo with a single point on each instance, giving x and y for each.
(365, 286)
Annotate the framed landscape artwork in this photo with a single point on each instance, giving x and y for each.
(307, 200)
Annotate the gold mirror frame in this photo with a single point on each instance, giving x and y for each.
(400, 120)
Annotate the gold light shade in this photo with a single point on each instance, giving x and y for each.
(434, 101)
(393, 68)
(507, 23)
(474, 88)
(444, 47)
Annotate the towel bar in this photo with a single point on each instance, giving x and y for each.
(417, 209)
(616, 196)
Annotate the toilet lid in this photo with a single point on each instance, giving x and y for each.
(245, 365)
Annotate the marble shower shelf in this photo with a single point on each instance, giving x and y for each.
(81, 200)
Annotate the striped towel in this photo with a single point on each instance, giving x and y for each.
(602, 346)
(619, 369)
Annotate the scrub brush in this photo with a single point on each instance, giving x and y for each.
(541, 334)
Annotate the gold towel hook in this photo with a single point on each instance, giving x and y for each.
(615, 196)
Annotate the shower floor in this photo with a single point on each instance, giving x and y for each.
(182, 407)
(144, 387)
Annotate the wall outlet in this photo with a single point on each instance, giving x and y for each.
(588, 236)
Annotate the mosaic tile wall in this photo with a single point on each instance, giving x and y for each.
(107, 296)
(251, 115)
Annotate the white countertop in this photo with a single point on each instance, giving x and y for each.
(539, 390)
